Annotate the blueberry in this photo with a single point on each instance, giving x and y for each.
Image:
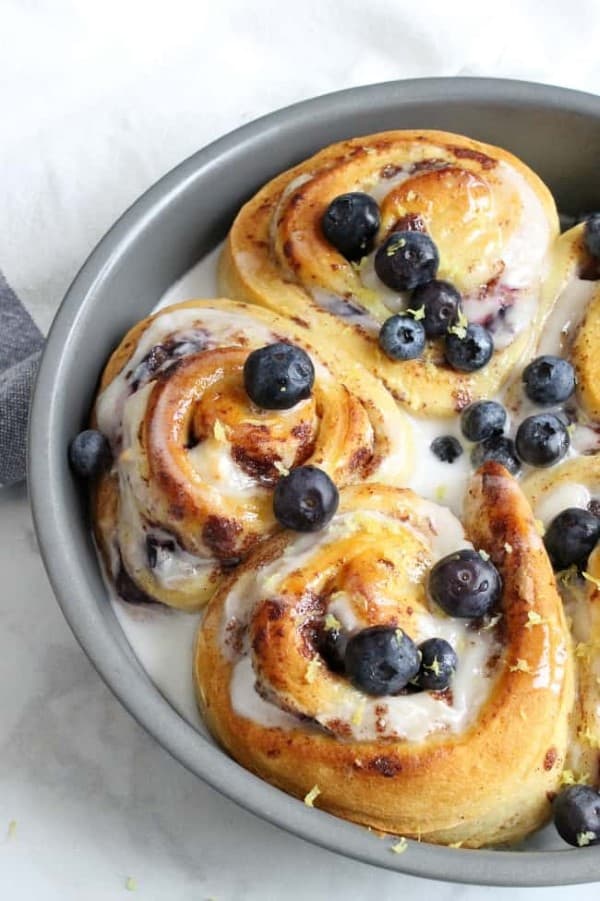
(497, 448)
(438, 664)
(470, 352)
(482, 420)
(577, 815)
(571, 537)
(441, 302)
(407, 259)
(381, 660)
(332, 647)
(277, 376)
(89, 454)
(549, 380)
(542, 440)
(350, 223)
(591, 235)
(402, 338)
(446, 448)
(464, 584)
(305, 500)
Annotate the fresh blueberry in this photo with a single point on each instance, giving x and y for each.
(542, 440)
(464, 584)
(482, 420)
(446, 448)
(381, 660)
(305, 500)
(497, 448)
(89, 454)
(577, 815)
(406, 259)
(591, 235)
(350, 223)
(441, 302)
(571, 537)
(470, 352)
(332, 647)
(549, 380)
(277, 376)
(402, 338)
(438, 664)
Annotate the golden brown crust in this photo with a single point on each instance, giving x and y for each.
(276, 254)
(488, 784)
(196, 430)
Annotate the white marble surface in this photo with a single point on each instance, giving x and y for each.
(98, 100)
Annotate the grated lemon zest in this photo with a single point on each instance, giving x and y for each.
(521, 666)
(534, 619)
(590, 578)
(357, 716)
(311, 670)
(440, 492)
(456, 844)
(332, 623)
(281, 469)
(568, 777)
(508, 547)
(584, 838)
(400, 847)
(130, 884)
(417, 314)
(219, 431)
(493, 622)
(12, 829)
(460, 328)
(311, 797)
(483, 554)
(589, 738)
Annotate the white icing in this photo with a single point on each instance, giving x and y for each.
(566, 495)
(410, 716)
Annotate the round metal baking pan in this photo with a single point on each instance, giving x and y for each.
(163, 234)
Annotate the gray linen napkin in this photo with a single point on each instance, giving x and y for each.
(20, 348)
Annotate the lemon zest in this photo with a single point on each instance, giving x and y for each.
(521, 666)
(567, 777)
(584, 838)
(456, 844)
(130, 884)
(417, 314)
(483, 554)
(534, 619)
(590, 578)
(331, 623)
(219, 431)
(508, 547)
(281, 469)
(312, 669)
(12, 829)
(313, 794)
(400, 847)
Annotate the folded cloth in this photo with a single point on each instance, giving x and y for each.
(20, 350)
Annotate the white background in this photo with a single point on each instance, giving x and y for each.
(97, 100)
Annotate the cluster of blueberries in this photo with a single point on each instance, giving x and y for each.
(408, 261)
(541, 439)
(384, 660)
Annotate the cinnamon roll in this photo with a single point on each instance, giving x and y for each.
(473, 763)
(492, 223)
(196, 461)
(557, 496)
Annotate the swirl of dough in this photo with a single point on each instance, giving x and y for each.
(490, 216)
(472, 764)
(196, 461)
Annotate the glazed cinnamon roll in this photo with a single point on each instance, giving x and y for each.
(566, 501)
(196, 460)
(331, 242)
(473, 762)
